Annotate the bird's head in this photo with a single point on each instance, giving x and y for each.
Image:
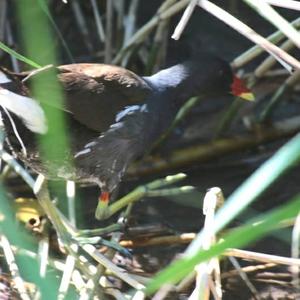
(214, 76)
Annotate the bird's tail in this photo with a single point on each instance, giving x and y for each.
(26, 108)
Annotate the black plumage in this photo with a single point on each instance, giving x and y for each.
(113, 116)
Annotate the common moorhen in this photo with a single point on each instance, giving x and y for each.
(113, 115)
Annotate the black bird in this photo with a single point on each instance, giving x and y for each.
(113, 116)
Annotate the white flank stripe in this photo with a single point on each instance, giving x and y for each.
(28, 110)
(85, 151)
(4, 78)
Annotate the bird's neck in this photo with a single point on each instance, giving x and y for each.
(169, 79)
(174, 85)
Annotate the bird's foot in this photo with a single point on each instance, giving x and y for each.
(152, 189)
(103, 210)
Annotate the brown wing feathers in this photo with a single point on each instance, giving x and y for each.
(96, 93)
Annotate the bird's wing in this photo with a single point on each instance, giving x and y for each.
(95, 93)
(112, 152)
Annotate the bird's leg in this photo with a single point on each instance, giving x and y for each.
(102, 210)
(151, 189)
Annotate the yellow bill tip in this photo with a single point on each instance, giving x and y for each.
(247, 96)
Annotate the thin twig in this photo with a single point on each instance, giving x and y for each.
(129, 21)
(116, 236)
(17, 168)
(37, 71)
(10, 41)
(295, 251)
(270, 61)
(120, 8)
(66, 278)
(248, 269)
(274, 101)
(186, 282)
(284, 58)
(13, 267)
(42, 194)
(291, 4)
(103, 260)
(81, 22)
(43, 253)
(262, 257)
(204, 271)
(265, 10)
(244, 277)
(98, 20)
(256, 50)
(57, 30)
(79, 283)
(184, 19)
(109, 31)
(228, 117)
(139, 295)
(3, 18)
(182, 113)
(143, 32)
(71, 191)
(183, 238)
